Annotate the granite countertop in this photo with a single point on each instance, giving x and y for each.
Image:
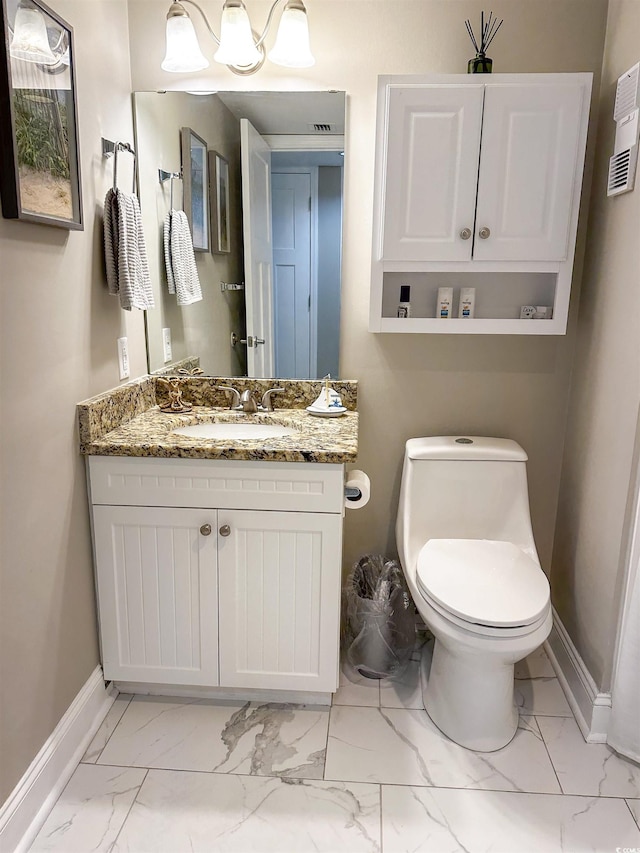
(316, 439)
(127, 421)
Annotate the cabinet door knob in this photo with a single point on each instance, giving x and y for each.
(484, 233)
(206, 530)
(465, 233)
(225, 530)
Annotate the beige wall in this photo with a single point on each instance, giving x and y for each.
(205, 327)
(59, 331)
(413, 384)
(603, 414)
(60, 327)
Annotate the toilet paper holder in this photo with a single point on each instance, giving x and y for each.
(351, 493)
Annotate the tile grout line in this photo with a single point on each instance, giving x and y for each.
(133, 802)
(562, 791)
(326, 745)
(635, 820)
(372, 783)
(115, 727)
(380, 801)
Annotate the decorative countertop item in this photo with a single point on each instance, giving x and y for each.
(176, 404)
(331, 412)
(481, 64)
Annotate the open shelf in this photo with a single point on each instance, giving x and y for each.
(499, 297)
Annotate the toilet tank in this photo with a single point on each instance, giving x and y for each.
(458, 487)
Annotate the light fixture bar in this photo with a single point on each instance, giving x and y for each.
(240, 48)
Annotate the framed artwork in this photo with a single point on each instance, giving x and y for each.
(39, 161)
(195, 187)
(219, 197)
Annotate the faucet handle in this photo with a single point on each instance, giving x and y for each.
(235, 399)
(266, 404)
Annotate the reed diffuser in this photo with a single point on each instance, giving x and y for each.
(481, 64)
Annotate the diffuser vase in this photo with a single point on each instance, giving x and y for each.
(480, 64)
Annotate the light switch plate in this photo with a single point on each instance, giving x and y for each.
(166, 344)
(123, 358)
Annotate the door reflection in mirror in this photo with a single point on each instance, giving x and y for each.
(284, 225)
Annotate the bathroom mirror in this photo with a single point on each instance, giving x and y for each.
(280, 281)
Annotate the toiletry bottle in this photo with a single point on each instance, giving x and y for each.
(445, 302)
(467, 302)
(404, 306)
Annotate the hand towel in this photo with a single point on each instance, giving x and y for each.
(180, 261)
(125, 251)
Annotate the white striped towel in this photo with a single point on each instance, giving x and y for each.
(125, 251)
(179, 258)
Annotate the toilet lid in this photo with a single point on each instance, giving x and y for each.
(483, 581)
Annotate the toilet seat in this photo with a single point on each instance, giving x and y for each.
(486, 586)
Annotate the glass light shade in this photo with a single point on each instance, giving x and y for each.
(237, 46)
(30, 41)
(292, 41)
(183, 51)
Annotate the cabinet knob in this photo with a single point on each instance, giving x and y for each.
(484, 233)
(206, 530)
(465, 233)
(225, 530)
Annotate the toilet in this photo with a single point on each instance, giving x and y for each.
(466, 547)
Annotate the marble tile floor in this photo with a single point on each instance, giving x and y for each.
(370, 774)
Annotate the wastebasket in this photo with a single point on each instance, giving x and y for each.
(379, 619)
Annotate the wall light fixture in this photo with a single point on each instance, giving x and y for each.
(239, 46)
(30, 38)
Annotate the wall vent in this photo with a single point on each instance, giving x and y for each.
(622, 166)
(627, 93)
(322, 128)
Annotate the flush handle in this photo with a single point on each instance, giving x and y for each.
(206, 530)
(465, 233)
(225, 530)
(484, 233)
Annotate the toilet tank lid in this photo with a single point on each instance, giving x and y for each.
(471, 447)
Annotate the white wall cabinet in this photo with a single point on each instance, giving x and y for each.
(476, 178)
(215, 595)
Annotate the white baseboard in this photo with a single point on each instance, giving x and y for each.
(232, 694)
(28, 805)
(591, 708)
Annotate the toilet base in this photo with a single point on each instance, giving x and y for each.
(470, 698)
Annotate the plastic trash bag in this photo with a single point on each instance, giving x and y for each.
(380, 624)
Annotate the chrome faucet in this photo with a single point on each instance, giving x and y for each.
(244, 402)
(266, 404)
(247, 403)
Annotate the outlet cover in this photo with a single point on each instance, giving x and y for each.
(123, 358)
(166, 344)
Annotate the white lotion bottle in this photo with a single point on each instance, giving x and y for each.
(445, 303)
(467, 303)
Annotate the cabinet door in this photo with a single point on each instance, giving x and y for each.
(530, 141)
(280, 600)
(431, 170)
(157, 594)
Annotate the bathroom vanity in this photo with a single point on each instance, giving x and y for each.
(218, 562)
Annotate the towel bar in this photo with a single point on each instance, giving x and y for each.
(163, 176)
(110, 149)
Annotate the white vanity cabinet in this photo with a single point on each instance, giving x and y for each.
(218, 573)
(478, 177)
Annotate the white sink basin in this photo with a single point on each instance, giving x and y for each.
(235, 431)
